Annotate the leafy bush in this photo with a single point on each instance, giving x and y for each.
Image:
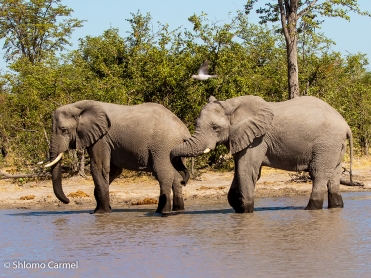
(156, 66)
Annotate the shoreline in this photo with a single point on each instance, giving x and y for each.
(144, 191)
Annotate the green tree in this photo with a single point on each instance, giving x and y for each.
(290, 13)
(100, 61)
(345, 84)
(35, 28)
(33, 31)
(153, 63)
(29, 97)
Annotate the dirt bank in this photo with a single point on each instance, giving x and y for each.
(145, 190)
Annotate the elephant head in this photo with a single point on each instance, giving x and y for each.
(77, 126)
(234, 122)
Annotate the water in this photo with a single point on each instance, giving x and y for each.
(279, 239)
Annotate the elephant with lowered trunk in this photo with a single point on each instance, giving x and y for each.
(138, 137)
(302, 134)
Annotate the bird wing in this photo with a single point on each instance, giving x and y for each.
(204, 69)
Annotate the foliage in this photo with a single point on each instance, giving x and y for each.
(155, 63)
(301, 17)
(31, 28)
(29, 97)
(345, 84)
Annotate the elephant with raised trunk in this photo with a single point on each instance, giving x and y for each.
(302, 134)
(137, 137)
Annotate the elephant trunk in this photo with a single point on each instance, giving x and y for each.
(194, 146)
(57, 182)
(57, 147)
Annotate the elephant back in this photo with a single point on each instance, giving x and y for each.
(307, 117)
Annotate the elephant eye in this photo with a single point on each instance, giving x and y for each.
(64, 130)
(216, 128)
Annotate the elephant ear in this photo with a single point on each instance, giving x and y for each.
(250, 118)
(212, 99)
(93, 123)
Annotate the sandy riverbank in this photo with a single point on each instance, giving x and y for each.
(131, 191)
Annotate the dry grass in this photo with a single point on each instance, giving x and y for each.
(135, 176)
(28, 197)
(210, 187)
(360, 162)
(78, 194)
(269, 170)
(145, 201)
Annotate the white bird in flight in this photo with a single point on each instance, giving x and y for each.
(203, 72)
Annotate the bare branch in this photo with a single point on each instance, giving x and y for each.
(36, 175)
(349, 183)
(307, 9)
(283, 19)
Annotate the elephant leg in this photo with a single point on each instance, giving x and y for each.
(319, 183)
(318, 193)
(164, 202)
(114, 173)
(101, 194)
(100, 170)
(334, 197)
(235, 197)
(178, 201)
(169, 179)
(99, 198)
(247, 171)
(325, 172)
(165, 177)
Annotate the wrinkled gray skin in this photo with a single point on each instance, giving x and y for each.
(138, 137)
(302, 134)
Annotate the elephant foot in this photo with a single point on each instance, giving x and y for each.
(246, 208)
(178, 204)
(173, 213)
(164, 204)
(242, 207)
(314, 204)
(335, 200)
(102, 210)
(238, 203)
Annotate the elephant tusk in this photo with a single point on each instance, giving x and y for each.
(42, 162)
(207, 150)
(55, 161)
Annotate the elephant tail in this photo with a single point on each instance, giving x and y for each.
(181, 168)
(350, 138)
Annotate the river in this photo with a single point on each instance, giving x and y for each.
(280, 239)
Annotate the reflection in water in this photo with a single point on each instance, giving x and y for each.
(278, 239)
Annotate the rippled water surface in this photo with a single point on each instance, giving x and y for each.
(279, 239)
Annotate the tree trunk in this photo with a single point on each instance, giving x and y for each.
(365, 145)
(289, 17)
(3, 145)
(293, 72)
(81, 157)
